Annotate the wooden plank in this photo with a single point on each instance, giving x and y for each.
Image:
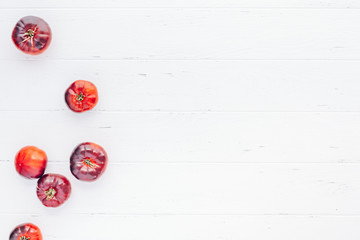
(194, 227)
(227, 33)
(182, 3)
(202, 189)
(188, 137)
(186, 85)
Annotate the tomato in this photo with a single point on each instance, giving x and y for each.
(81, 96)
(88, 161)
(31, 162)
(53, 189)
(32, 35)
(27, 231)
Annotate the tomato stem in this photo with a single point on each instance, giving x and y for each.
(50, 194)
(80, 97)
(89, 163)
(30, 35)
(24, 238)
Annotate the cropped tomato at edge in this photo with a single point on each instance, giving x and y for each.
(26, 231)
(32, 35)
(81, 96)
(30, 162)
(53, 190)
(88, 161)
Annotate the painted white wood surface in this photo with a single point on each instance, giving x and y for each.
(193, 33)
(187, 85)
(222, 119)
(194, 227)
(159, 137)
(200, 189)
(345, 4)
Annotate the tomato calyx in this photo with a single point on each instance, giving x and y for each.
(50, 194)
(30, 35)
(24, 238)
(80, 97)
(88, 162)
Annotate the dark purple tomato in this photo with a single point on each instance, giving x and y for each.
(53, 189)
(88, 161)
(32, 35)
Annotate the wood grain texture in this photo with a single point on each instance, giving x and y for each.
(222, 119)
(134, 34)
(189, 227)
(199, 189)
(131, 137)
(186, 85)
(325, 4)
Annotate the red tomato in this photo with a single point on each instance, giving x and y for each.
(30, 162)
(88, 161)
(53, 189)
(32, 35)
(27, 231)
(81, 96)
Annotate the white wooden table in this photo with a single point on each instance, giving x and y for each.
(223, 119)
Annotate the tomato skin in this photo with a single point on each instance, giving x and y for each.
(31, 35)
(81, 96)
(53, 189)
(25, 231)
(30, 162)
(88, 161)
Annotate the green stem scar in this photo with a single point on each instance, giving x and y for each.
(24, 238)
(50, 194)
(30, 35)
(89, 163)
(80, 97)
